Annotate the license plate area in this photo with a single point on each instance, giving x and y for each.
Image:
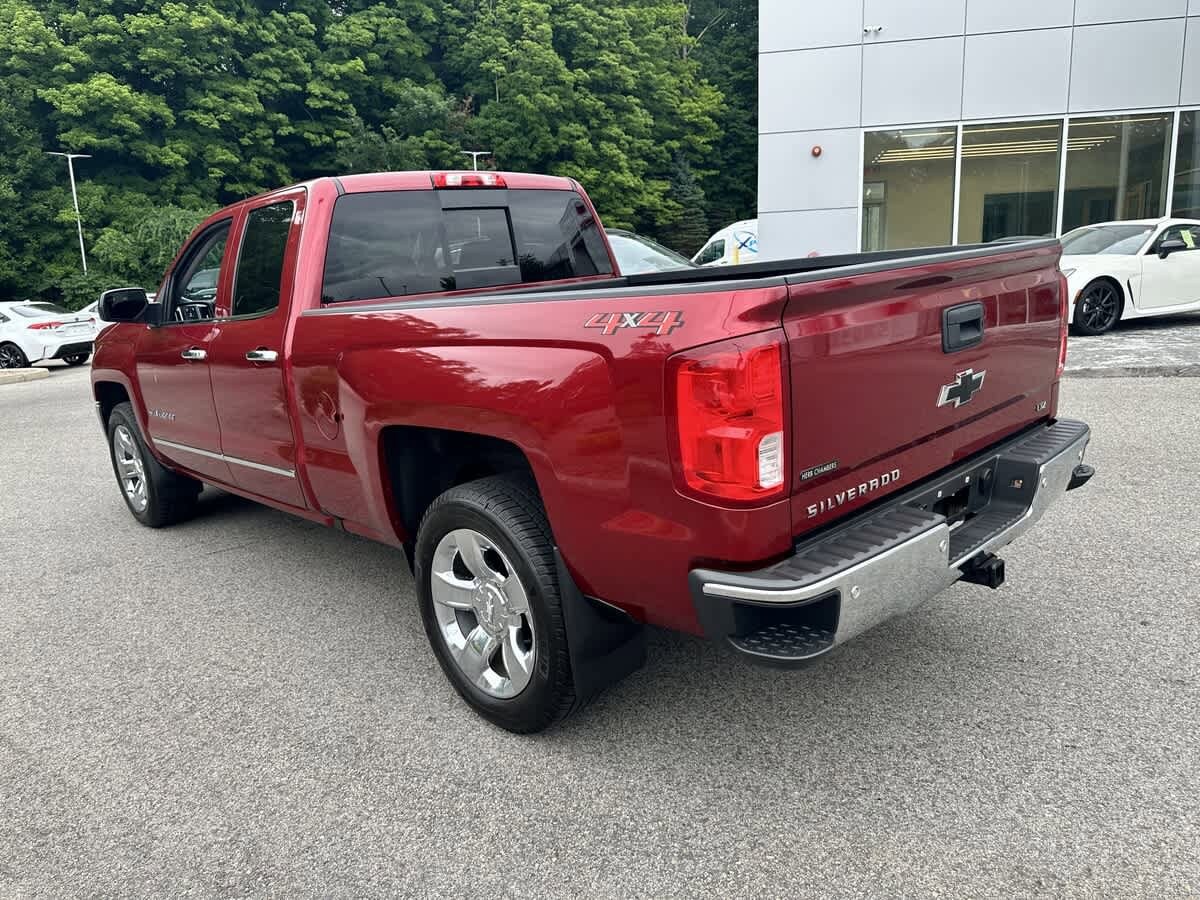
(961, 497)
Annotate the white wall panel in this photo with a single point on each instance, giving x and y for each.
(801, 24)
(1011, 15)
(912, 81)
(1038, 86)
(904, 20)
(1191, 65)
(791, 178)
(1092, 12)
(787, 235)
(1126, 66)
(809, 89)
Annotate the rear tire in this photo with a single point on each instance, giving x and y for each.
(488, 592)
(1098, 308)
(12, 357)
(155, 495)
(77, 360)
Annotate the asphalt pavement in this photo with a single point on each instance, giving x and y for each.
(1168, 345)
(245, 705)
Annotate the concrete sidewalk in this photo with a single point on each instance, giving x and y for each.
(1168, 346)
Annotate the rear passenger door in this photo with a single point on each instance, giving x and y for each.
(248, 358)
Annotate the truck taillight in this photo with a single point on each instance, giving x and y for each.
(729, 404)
(468, 180)
(1064, 309)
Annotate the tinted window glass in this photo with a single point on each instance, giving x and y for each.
(478, 238)
(396, 243)
(194, 291)
(556, 236)
(260, 266)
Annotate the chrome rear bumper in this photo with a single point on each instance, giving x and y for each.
(888, 560)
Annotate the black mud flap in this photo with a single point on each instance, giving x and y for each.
(605, 644)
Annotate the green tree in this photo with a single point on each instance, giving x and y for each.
(685, 227)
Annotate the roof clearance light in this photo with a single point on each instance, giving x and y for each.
(468, 180)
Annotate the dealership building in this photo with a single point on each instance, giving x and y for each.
(887, 124)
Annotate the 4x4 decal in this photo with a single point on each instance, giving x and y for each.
(663, 322)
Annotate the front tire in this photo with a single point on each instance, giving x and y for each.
(12, 357)
(154, 494)
(77, 359)
(488, 592)
(1098, 308)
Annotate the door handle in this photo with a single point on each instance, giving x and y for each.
(262, 356)
(194, 353)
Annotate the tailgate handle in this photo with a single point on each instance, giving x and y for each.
(962, 327)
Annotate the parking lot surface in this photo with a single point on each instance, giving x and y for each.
(1169, 345)
(245, 705)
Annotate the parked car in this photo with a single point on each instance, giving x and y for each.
(1130, 270)
(637, 255)
(730, 246)
(779, 458)
(31, 331)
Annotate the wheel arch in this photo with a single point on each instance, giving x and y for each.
(420, 463)
(108, 394)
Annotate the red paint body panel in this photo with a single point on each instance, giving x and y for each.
(592, 411)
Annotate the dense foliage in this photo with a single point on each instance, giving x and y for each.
(186, 106)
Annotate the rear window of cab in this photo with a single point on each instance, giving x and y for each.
(399, 243)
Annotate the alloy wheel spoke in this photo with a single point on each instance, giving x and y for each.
(471, 551)
(515, 597)
(450, 590)
(517, 662)
(475, 656)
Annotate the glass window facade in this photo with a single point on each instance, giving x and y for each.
(1117, 168)
(908, 188)
(1187, 167)
(1012, 180)
(1009, 181)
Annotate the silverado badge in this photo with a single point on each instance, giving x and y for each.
(962, 389)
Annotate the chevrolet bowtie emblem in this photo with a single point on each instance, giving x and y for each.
(964, 387)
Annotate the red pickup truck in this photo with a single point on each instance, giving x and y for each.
(776, 455)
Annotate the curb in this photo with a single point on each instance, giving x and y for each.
(16, 376)
(1180, 371)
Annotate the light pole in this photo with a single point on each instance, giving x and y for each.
(475, 154)
(71, 157)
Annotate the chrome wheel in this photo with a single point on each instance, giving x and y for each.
(483, 613)
(1100, 307)
(131, 469)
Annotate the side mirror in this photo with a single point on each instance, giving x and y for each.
(1172, 245)
(124, 305)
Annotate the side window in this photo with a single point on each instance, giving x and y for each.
(257, 283)
(194, 288)
(3, 318)
(1189, 234)
(711, 253)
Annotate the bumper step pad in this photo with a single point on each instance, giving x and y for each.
(785, 643)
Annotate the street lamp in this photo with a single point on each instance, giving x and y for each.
(475, 154)
(71, 157)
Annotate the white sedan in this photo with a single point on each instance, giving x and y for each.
(31, 331)
(1129, 270)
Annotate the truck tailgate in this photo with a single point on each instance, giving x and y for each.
(891, 380)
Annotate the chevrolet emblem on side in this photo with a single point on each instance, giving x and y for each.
(963, 388)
